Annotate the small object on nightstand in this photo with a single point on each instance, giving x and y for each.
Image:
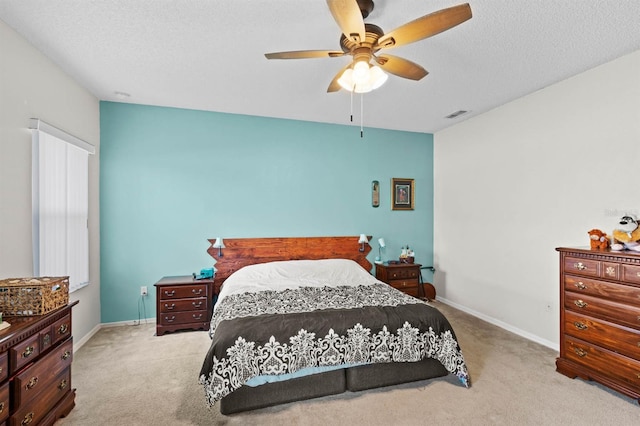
(4, 325)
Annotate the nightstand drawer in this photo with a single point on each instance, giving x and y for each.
(407, 286)
(183, 317)
(400, 273)
(579, 266)
(24, 352)
(181, 292)
(183, 305)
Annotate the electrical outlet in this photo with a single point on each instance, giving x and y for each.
(143, 290)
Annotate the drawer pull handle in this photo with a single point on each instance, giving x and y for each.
(580, 303)
(579, 266)
(66, 355)
(172, 293)
(196, 291)
(580, 325)
(167, 319)
(27, 352)
(173, 305)
(63, 329)
(580, 352)
(197, 304)
(63, 384)
(580, 285)
(27, 419)
(32, 383)
(198, 316)
(1, 407)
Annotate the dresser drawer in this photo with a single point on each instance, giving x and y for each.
(181, 292)
(24, 352)
(575, 265)
(4, 402)
(33, 412)
(631, 273)
(183, 317)
(605, 362)
(622, 340)
(4, 366)
(618, 292)
(600, 308)
(27, 385)
(183, 305)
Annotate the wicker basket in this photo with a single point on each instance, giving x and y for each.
(33, 296)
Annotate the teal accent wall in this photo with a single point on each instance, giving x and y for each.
(172, 178)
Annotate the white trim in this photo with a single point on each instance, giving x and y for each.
(501, 324)
(77, 345)
(37, 124)
(129, 322)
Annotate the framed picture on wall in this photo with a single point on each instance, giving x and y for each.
(402, 194)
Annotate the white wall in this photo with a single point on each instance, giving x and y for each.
(529, 176)
(33, 86)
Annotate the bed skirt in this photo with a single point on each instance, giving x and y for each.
(330, 383)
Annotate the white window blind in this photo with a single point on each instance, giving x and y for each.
(60, 204)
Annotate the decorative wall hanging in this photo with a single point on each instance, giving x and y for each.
(402, 194)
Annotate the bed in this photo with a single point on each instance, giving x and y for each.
(301, 318)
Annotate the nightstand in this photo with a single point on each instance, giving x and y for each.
(183, 303)
(403, 276)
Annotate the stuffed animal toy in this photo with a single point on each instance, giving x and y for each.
(627, 235)
(598, 239)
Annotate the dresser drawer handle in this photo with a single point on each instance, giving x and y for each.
(580, 352)
(1, 407)
(27, 352)
(63, 384)
(65, 356)
(170, 307)
(580, 303)
(580, 325)
(170, 294)
(32, 383)
(196, 291)
(579, 266)
(197, 316)
(27, 419)
(197, 304)
(63, 329)
(580, 285)
(173, 318)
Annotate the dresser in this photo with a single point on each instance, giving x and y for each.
(35, 369)
(183, 303)
(600, 318)
(403, 276)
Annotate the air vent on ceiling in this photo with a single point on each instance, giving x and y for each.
(456, 114)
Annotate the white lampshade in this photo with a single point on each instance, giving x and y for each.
(219, 243)
(381, 242)
(363, 239)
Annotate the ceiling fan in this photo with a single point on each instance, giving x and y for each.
(364, 41)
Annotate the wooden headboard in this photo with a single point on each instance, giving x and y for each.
(239, 252)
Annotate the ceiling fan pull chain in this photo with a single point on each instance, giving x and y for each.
(361, 114)
(351, 95)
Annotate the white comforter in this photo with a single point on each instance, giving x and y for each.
(293, 274)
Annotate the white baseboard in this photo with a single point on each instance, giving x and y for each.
(77, 345)
(501, 324)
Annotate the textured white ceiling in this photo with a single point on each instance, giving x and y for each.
(209, 54)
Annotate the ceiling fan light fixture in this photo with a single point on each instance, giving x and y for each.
(370, 78)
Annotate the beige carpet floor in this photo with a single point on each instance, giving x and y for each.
(127, 376)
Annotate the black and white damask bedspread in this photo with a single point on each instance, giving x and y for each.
(278, 332)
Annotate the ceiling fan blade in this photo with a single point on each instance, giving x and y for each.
(334, 86)
(304, 54)
(426, 26)
(401, 67)
(349, 18)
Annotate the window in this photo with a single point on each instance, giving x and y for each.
(60, 204)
